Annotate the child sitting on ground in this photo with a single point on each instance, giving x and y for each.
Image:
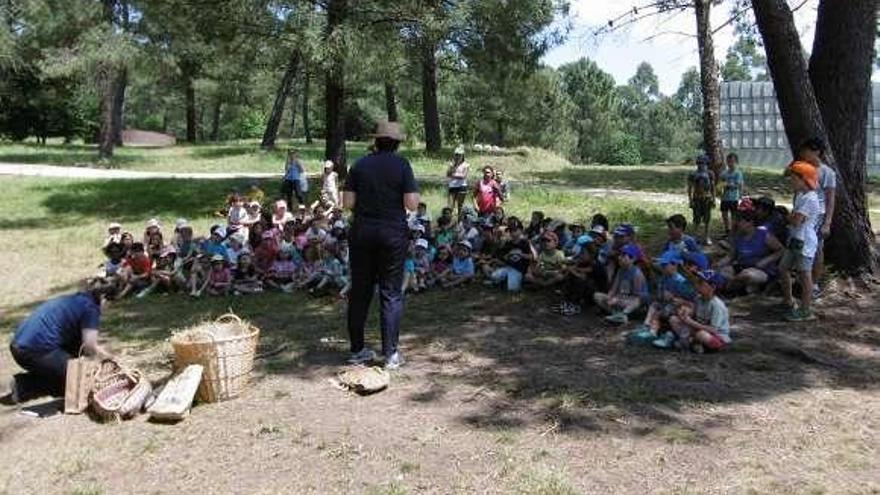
(238, 214)
(708, 328)
(441, 265)
(673, 292)
(282, 274)
(629, 290)
(548, 268)
(463, 270)
(246, 279)
(678, 241)
(514, 258)
(153, 242)
(219, 279)
(266, 252)
(235, 245)
(330, 274)
(164, 275)
(421, 265)
(445, 234)
(115, 254)
(136, 270)
(114, 234)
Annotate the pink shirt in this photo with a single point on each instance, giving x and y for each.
(487, 196)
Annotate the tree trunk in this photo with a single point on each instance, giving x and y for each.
(119, 106)
(306, 94)
(430, 111)
(334, 94)
(391, 101)
(107, 89)
(709, 85)
(840, 72)
(284, 90)
(191, 126)
(215, 119)
(294, 104)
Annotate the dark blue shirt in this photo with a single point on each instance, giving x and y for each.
(380, 180)
(58, 324)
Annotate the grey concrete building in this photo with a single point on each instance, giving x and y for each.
(752, 127)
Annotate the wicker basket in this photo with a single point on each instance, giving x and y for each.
(227, 357)
(118, 393)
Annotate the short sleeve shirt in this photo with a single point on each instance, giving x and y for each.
(827, 180)
(58, 324)
(702, 184)
(551, 260)
(459, 175)
(714, 313)
(380, 180)
(463, 266)
(733, 185)
(807, 204)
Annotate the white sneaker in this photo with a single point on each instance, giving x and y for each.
(365, 355)
(394, 361)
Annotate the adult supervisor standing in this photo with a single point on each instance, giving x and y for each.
(57, 330)
(379, 190)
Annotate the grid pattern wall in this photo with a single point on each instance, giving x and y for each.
(752, 126)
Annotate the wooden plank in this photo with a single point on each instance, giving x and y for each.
(174, 403)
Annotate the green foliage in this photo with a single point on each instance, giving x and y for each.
(595, 119)
(745, 60)
(623, 149)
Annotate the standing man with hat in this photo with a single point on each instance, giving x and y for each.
(379, 190)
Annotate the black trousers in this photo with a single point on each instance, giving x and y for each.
(289, 188)
(377, 251)
(46, 372)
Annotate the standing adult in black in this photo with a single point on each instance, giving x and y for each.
(380, 188)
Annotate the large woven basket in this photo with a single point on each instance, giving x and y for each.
(226, 349)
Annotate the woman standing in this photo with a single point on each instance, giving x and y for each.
(380, 188)
(458, 180)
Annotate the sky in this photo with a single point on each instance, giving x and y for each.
(672, 49)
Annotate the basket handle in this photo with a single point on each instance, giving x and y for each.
(228, 317)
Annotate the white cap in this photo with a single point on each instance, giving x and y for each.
(339, 224)
(114, 225)
(221, 231)
(152, 223)
(422, 243)
(181, 223)
(329, 164)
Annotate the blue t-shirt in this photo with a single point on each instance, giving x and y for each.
(686, 244)
(211, 248)
(733, 185)
(463, 266)
(292, 173)
(380, 180)
(58, 324)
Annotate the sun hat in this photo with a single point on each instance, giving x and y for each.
(671, 257)
(459, 150)
(329, 164)
(584, 240)
(181, 223)
(632, 251)
(624, 229)
(219, 230)
(550, 236)
(422, 243)
(217, 257)
(806, 171)
(114, 225)
(152, 223)
(390, 130)
(466, 244)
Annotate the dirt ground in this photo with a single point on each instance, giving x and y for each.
(501, 396)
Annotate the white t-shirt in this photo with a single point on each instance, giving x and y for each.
(331, 183)
(714, 313)
(827, 180)
(459, 175)
(807, 204)
(237, 215)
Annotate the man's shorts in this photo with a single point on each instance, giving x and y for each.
(454, 191)
(729, 206)
(702, 210)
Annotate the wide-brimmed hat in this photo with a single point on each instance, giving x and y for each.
(152, 223)
(422, 243)
(390, 130)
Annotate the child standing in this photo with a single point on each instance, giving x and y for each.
(802, 239)
(629, 290)
(708, 328)
(734, 185)
(701, 196)
(330, 186)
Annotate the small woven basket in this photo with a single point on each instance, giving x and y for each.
(225, 348)
(118, 393)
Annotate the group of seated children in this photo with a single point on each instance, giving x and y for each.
(588, 264)
(251, 252)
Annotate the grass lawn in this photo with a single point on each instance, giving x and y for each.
(499, 395)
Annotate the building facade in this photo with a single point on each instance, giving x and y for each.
(751, 125)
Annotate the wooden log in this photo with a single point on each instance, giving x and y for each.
(176, 399)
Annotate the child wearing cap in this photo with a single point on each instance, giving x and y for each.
(707, 327)
(629, 290)
(266, 252)
(462, 270)
(701, 196)
(219, 279)
(422, 264)
(280, 214)
(673, 292)
(571, 246)
(802, 239)
(115, 254)
(235, 245)
(282, 273)
(549, 266)
(813, 152)
(579, 287)
(114, 234)
(153, 242)
(164, 275)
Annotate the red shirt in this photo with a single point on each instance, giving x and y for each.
(487, 194)
(140, 265)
